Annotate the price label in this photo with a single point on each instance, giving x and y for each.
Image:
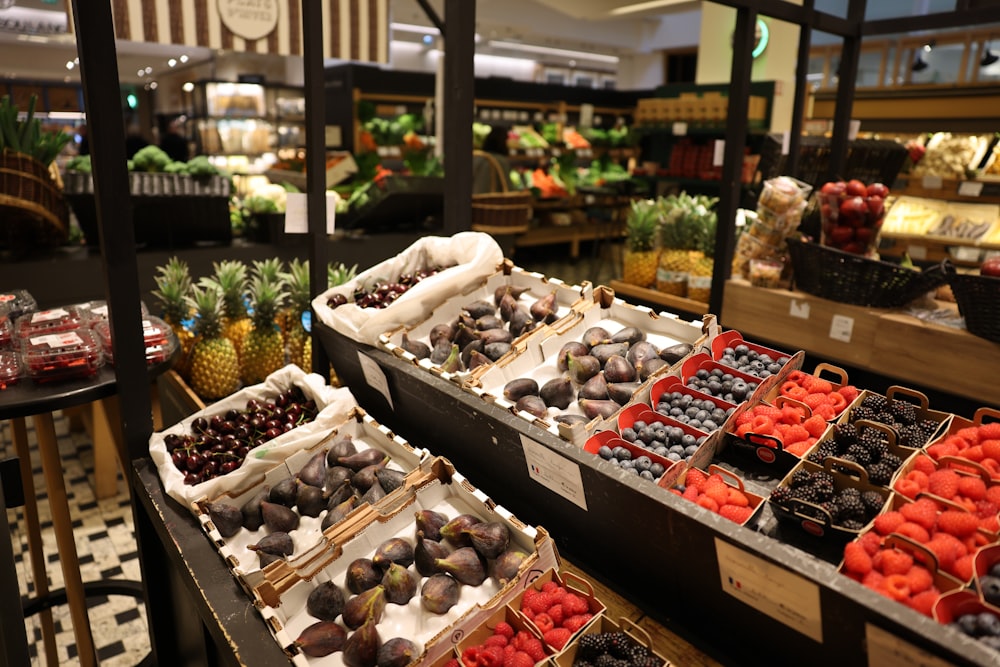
(786, 138)
(58, 340)
(296, 218)
(841, 328)
(680, 129)
(887, 650)
(48, 315)
(970, 188)
(931, 182)
(799, 310)
(916, 251)
(374, 377)
(718, 155)
(554, 471)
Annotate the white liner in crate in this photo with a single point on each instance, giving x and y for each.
(538, 286)
(470, 256)
(434, 634)
(308, 538)
(333, 404)
(538, 360)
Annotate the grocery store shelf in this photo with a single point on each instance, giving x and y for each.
(920, 247)
(951, 189)
(657, 297)
(573, 234)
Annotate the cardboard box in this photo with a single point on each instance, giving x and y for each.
(801, 380)
(604, 624)
(906, 394)
(756, 502)
(573, 584)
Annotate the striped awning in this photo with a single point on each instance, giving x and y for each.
(353, 29)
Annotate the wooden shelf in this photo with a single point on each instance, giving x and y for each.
(922, 248)
(914, 186)
(573, 234)
(670, 301)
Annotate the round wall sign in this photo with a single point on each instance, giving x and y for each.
(249, 19)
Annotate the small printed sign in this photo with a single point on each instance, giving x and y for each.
(970, 188)
(374, 377)
(680, 129)
(841, 328)
(916, 251)
(297, 219)
(718, 156)
(931, 182)
(888, 650)
(799, 309)
(554, 471)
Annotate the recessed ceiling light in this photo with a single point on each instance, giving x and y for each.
(184, 58)
(70, 64)
(172, 62)
(148, 70)
(187, 87)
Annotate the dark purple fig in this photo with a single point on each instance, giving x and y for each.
(337, 475)
(621, 392)
(277, 544)
(675, 353)
(278, 517)
(284, 492)
(439, 331)
(417, 348)
(252, 518)
(521, 321)
(465, 564)
(595, 336)
(439, 593)
(479, 308)
(228, 519)
(641, 352)
(361, 575)
(595, 387)
(393, 550)
(325, 602)
(490, 321)
(366, 606)
(313, 472)
(544, 309)
(453, 364)
(572, 348)
(362, 647)
(429, 523)
(519, 387)
(399, 584)
(508, 304)
(310, 500)
(581, 369)
(647, 368)
(364, 478)
(390, 479)
(321, 639)
(618, 369)
(397, 652)
(494, 351)
(507, 565)
(557, 393)
(335, 515)
(442, 348)
(341, 493)
(532, 405)
(598, 408)
(454, 530)
(630, 335)
(374, 494)
(464, 335)
(514, 292)
(266, 559)
(363, 459)
(608, 350)
(426, 553)
(474, 346)
(571, 419)
(489, 538)
(342, 446)
(495, 336)
(477, 359)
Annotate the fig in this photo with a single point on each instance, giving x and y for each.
(361, 576)
(277, 544)
(321, 639)
(629, 335)
(507, 565)
(310, 500)
(417, 348)
(507, 306)
(284, 492)
(464, 334)
(454, 530)
(514, 292)
(364, 478)
(479, 308)
(390, 479)
(647, 368)
(399, 584)
(394, 550)
(397, 652)
(595, 387)
(618, 369)
(474, 346)
(675, 353)
(228, 519)
(465, 564)
(252, 519)
(598, 408)
(580, 369)
(439, 593)
(341, 493)
(337, 475)
(494, 351)
(429, 523)
(278, 517)
(572, 348)
(621, 392)
(266, 559)
(490, 321)
(335, 515)
(441, 331)
(519, 387)
(544, 309)
(362, 459)
(361, 648)
(342, 446)
(426, 553)
(313, 472)
(365, 606)
(442, 348)
(495, 336)
(557, 393)
(570, 419)
(608, 350)
(533, 405)
(489, 538)
(595, 336)
(641, 352)
(325, 602)
(477, 359)
(521, 321)
(453, 364)
(374, 494)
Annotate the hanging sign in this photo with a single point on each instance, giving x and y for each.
(249, 19)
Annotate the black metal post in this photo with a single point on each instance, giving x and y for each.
(13, 638)
(459, 93)
(732, 165)
(312, 35)
(799, 99)
(847, 75)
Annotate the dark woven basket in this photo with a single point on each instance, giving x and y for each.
(846, 278)
(978, 299)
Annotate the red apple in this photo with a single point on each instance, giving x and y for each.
(876, 206)
(990, 267)
(840, 235)
(856, 188)
(853, 207)
(878, 190)
(834, 188)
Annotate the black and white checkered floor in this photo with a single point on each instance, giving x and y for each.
(106, 546)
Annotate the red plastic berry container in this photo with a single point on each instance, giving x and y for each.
(17, 302)
(6, 331)
(59, 356)
(157, 335)
(98, 310)
(53, 321)
(10, 368)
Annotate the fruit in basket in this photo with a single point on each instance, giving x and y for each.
(595, 336)
(278, 543)
(519, 387)
(361, 575)
(325, 602)
(599, 408)
(263, 350)
(368, 605)
(362, 459)
(173, 284)
(489, 538)
(604, 646)
(227, 519)
(365, 478)
(453, 362)
(430, 523)
(605, 351)
(641, 256)
(514, 292)
(426, 553)
(751, 362)
(390, 479)
(622, 392)
(399, 584)
(557, 393)
(507, 565)
(382, 293)
(572, 348)
(397, 652)
(313, 472)
(675, 353)
(439, 593)
(278, 517)
(629, 336)
(454, 531)
(594, 388)
(852, 214)
(321, 639)
(441, 331)
(521, 321)
(618, 369)
(361, 648)
(284, 492)
(582, 368)
(310, 500)
(465, 564)
(214, 365)
(640, 352)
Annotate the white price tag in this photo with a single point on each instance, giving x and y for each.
(970, 188)
(786, 138)
(931, 182)
(841, 328)
(916, 251)
(296, 218)
(374, 377)
(554, 471)
(853, 129)
(48, 315)
(57, 340)
(719, 153)
(800, 310)
(680, 128)
(887, 650)
(100, 311)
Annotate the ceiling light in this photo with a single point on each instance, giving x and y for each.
(184, 58)
(148, 70)
(153, 85)
(548, 50)
(643, 6)
(989, 57)
(70, 64)
(172, 62)
(140, 72)
(919, 65)
(187, 87)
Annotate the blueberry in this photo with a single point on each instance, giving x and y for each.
(646, 434)
(719, 373)
(702, 415)
(688, 440)
(689, 451)
(702, 374)
(988, 624)
(694, 423)
(628, 434)
(727, 376)
(676, 412)
(676, 449)
(782, 360)
(605, 452)
(765, 359)
(643, 463)
(685, 399)
(773, 368)
(990, 586)
(632, 471)
(728, 352)
(614, 462)
(715, 388)
(660, 451)
(645, 474)
(657, 469)
(676, 433)
(638, 425)
(741, 349)
(660, 433)
(967, 624)
(709, 425)
(701, 439)
(764, 374)
(673, 457)
(622, 454)
(995, 570)
(626, 463)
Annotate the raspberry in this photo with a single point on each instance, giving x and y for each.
(518, 659)
(736, 497)
(691, 493)
(920, 579)
(946, 549)
(528, 594)
(549, 587)
(508, 650)
(989, 431)
(856, 559)
(924, 464)
(708, 503)
(871, 542)
(496, 640)
(718, 493)
(490, 656)
(813, 401)
(970, 434)
(574, 623)
(873, 580)
(528, 614)
(505, 629)
(973, 488)
(557, 638)
(534, 648)
(800, 448)
(922, 512)
(452, 663)
(963, 568)
(470, 655)
(849, 392)
(914, 531)
(924, 602)
(974, 453)
(896, 562)
(557, 614)
(538, 603)
(993, 494)
(959, 524)
(543, 622)
(736, 513)
(908, 488)
(897, 587)
(695, 478)
(795, 433)
(888, 522)
(573, 604)
(815, 425)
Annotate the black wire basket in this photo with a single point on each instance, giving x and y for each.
(978, 299)
(847, 278)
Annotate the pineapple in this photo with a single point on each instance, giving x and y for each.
(297, 279)
(686, 232)
(231, 277)
(263, 348)
(173, 282)
(338, 274)
(215, 371)
(641, 254)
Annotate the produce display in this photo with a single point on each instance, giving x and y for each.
(780, 206)
(687, 244)
(852, 215)
(66, 355)
(158, 339)
(382, 293)
(913, 215)
(715, 494)
(951, 155)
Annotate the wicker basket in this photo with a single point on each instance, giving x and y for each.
(503, 212)
(978, 299)
(34, 211)
(847, 278)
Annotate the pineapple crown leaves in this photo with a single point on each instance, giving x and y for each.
(338, 273)
(297, 280)
(173, 282)
(269, 269)
(231, 277)
(687, 222)
(206, 300)
(266, 297)
(641, 225)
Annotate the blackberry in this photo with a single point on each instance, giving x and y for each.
(849, 492)
(873, 502)
(781, 495)
(913, 436)
(880, 474)
(928, 426)
(850, 508)
(823, 476)
(811, 493)
(863, 412)
(833, 509)
(592, 646)
(823, 452)
(876, 402)
(605, 660)
(892, 461)
(879, 449)
(851, 524)
(800, 477)
(633, 652)
(823, 490)
(885, 417)
(845, 434)
(860, 453)
(904, 412)
(618, 644)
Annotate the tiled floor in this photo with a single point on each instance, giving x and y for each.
(106, 547)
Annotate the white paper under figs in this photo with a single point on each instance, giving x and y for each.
(334, 405)
(470, 256)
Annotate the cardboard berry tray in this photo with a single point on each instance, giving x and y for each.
(896, 392)
(727, 343)
(672, 384)
(612, 440)
(704, 444)
(952, 605)
(754, 501)
(529, 604)
(963, 439)
(467, 649)
(904, 454)
(535, 286)
(811, 389)
(605, 624)
(762, 449)
(282, 602)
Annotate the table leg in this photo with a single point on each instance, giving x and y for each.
(106, 438)
(33, 527)
(48, 447)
